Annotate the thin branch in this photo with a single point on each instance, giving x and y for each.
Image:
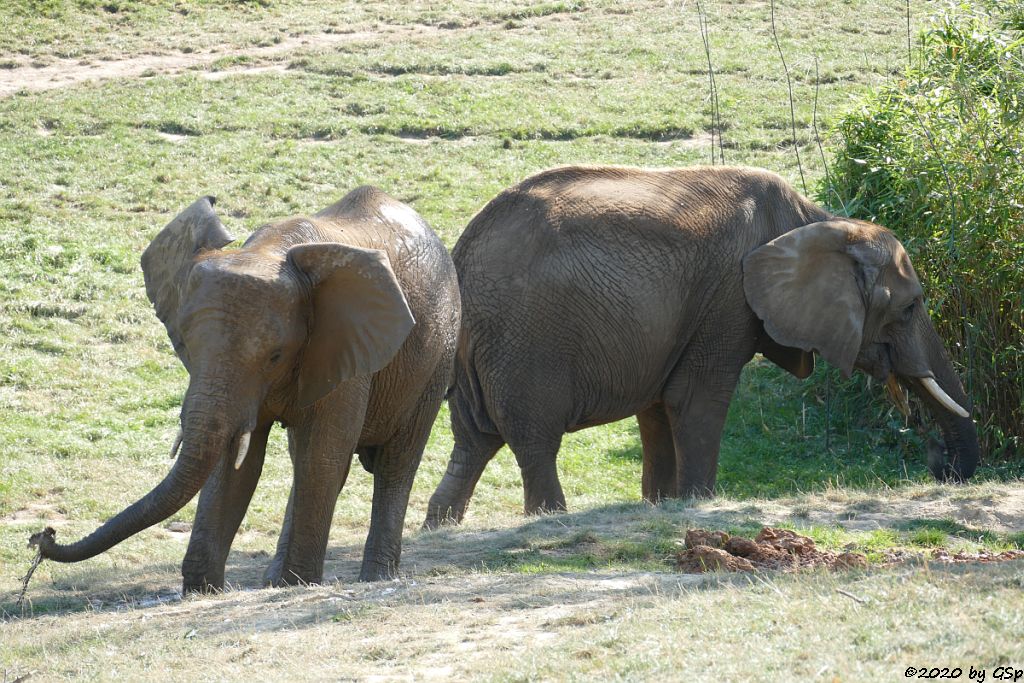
(36, 561)
(792, 109)
(910, 61)
(828, 180)
(716, 114)
(855, 598)
(821, 151)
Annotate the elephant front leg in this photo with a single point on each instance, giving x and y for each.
(222, 504)
(321, 460)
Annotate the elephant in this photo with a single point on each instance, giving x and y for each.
(591, 294)
(342, 327)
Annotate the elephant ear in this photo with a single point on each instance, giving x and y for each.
(360, 317)
(809, 288)
(169, 257)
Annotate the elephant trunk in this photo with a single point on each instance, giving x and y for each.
(948, 403)
(200, 451)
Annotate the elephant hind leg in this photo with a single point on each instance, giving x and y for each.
(542, 491)
(394, 469)
(659, 468)
(473, 450)
(450, 500)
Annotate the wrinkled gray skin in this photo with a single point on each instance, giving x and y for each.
(593, 294)
(342, 327)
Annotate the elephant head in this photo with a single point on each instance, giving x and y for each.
(845, 289)
(264, 331)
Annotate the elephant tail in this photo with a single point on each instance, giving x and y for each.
(466, 394)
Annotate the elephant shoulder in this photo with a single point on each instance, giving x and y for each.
(369, 212)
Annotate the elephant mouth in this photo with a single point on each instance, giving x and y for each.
(898, 395)
(897, 390)
(955, 455)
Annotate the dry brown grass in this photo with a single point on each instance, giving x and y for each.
(470, 606)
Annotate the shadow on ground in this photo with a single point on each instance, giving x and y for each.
(622, 538)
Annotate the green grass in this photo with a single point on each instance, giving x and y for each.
(935, 156)
(464, 100)
(92, 180)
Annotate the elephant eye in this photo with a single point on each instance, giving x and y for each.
(274, 357)
(909, 310)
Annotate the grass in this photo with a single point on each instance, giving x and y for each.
(442, 105)
(857, 626)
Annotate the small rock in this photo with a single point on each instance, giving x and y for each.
(179, 527)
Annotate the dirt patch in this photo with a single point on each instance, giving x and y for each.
(703, 558)
(37, 512)
(989, 506)
(27, 74)
(944, 556)
(699, 140)
(785, 550)
(64, 73)
(777, 549)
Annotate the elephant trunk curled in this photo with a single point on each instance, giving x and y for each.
(959, 434)
(200, 451)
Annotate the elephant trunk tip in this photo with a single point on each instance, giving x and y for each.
(44, 541)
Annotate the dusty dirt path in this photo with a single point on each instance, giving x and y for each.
(991, 507)
(64, 73)
(69, 72)
(446, 619)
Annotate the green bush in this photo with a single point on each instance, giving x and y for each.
(938, 157)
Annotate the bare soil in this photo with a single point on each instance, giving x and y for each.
(995, 507)
(477, 617)
(34, 76)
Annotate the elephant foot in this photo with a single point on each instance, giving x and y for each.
(201, 587)
(543, 499)
(443, 515)
(545, 507)
(701, 491)
(201, 575)
(280, 575)
(378, 571)
(542, 492)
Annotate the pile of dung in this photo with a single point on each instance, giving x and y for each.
(778, 549)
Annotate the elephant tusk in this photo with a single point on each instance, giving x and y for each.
(243, 449)
(177, 444)
(898, 395)
(942, 397)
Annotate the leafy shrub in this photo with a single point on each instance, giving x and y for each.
(937, 156)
